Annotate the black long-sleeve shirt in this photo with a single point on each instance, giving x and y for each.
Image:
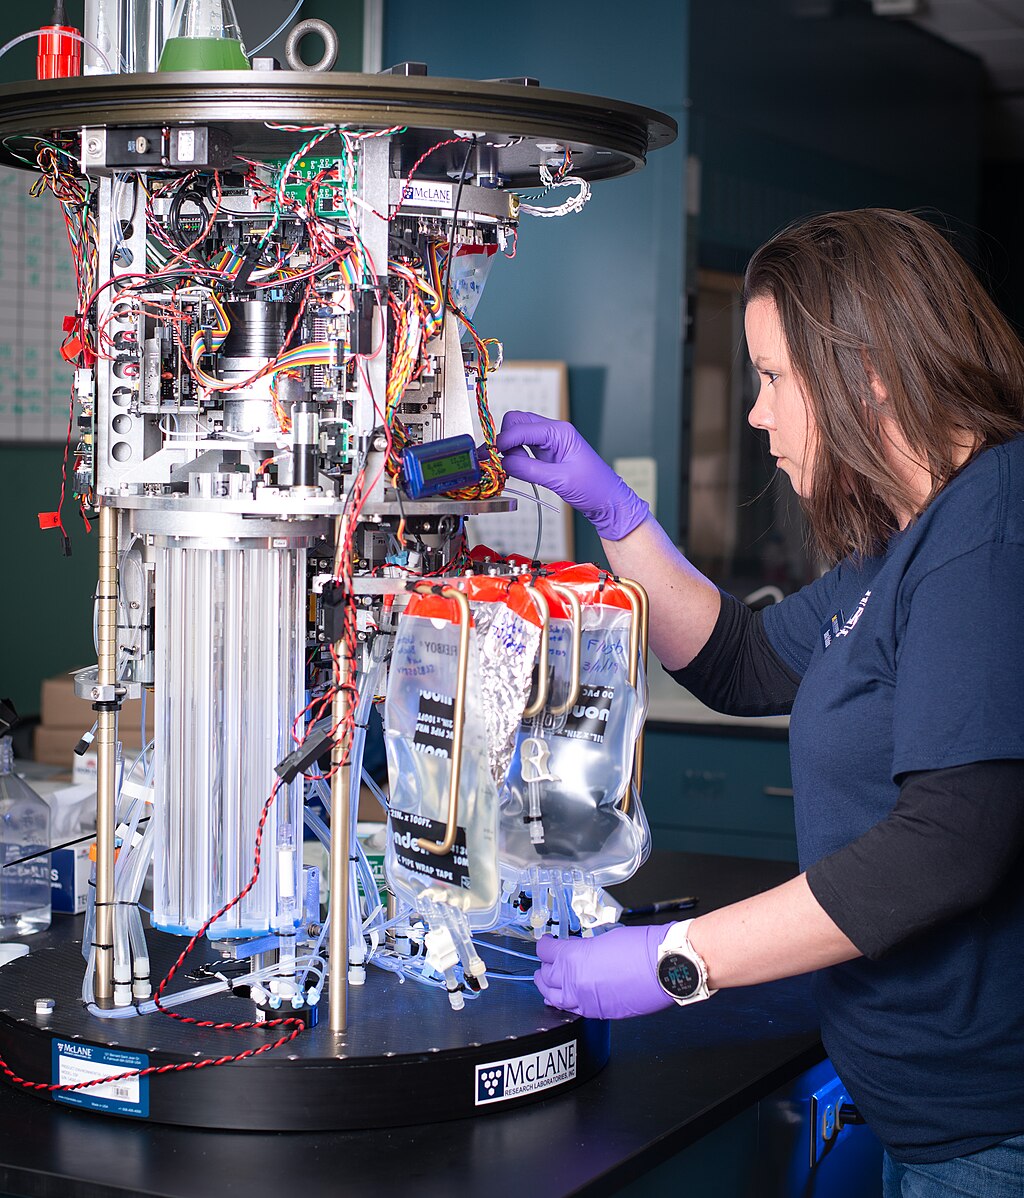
(950, 839)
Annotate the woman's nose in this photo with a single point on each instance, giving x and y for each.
(760, 415)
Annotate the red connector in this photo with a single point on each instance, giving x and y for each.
(59, 54)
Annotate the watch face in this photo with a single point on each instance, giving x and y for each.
(678, 975)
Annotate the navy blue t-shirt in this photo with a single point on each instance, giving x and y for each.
(913, 660)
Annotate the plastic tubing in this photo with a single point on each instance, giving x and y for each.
(315, 955)
(140, 954)
(75, 36)
(279, 30)
(122, 945)
(532, 498)
(394, 965)
(368, 685)
(509, 952)
(180, 998)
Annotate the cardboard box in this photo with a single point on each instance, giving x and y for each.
(69, 879)
(56, 746)
(60, 707)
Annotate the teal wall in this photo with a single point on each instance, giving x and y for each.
(813, 107)
(601, 290)
(835, 108)
(786, 114)
(46, 599)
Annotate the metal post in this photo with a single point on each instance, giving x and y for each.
(340, 835)
(106, 680)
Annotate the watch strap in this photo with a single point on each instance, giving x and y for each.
(677, 940)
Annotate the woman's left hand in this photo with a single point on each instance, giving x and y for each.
(611, 976)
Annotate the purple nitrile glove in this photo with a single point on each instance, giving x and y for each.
(564, 463)
(611, 976)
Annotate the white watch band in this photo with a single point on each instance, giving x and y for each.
(677, 940)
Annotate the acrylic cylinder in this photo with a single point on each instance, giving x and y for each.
(230, 634)
(130, 34)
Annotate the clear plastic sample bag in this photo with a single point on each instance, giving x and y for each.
(570, 813)
(459, 680)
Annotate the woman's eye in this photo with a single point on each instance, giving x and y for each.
(771, 376)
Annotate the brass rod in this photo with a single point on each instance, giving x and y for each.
(576, 620)
(106, 753)
(341, 831)
(540, 698)
(639, 647)
(440, 848)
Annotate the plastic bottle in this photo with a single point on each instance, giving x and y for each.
(24, 829)
(204, 36)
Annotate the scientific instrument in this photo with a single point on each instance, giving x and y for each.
(280, 396)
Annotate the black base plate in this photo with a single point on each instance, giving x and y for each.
(406, 1057)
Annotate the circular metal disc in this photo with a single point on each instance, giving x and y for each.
(522, 125)
(405, 1058)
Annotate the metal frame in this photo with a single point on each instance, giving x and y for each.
(608, 138)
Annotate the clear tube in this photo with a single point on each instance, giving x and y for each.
(72, 33)
(280, 29)
(103, 38)
(230, 634)
(181, 997)
(148, 24)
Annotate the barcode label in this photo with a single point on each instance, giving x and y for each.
(118, 1088)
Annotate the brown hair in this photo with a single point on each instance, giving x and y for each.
(880, 295)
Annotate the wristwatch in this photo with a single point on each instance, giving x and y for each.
(682, 973)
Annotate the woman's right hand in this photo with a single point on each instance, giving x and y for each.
(564, 463)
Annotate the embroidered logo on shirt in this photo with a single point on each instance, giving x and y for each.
(851, 623)
(830, 629)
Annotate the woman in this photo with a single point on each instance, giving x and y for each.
(892, 394)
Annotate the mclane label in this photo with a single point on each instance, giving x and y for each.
(124, 1094)
(427, 195)
(501, 1080)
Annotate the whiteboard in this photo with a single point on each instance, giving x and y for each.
(540, 387)
(37, 290)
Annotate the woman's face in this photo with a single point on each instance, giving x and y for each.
(780, 409)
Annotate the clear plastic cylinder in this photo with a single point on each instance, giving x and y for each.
(230, 635)
(130, 34)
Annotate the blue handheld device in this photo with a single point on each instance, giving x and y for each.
(440, 466)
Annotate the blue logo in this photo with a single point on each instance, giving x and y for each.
(490, 1083)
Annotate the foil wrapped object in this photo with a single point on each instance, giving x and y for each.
(507, 647)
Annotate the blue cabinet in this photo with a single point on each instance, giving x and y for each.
(719, 790)
(765, 1152)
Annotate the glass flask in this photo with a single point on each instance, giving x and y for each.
(204, 36)
(24, 829)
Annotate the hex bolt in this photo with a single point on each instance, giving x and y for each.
(380, 443)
